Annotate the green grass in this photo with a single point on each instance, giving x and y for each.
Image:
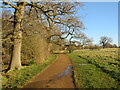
(17, 78)
(63, 51)
(97, 70)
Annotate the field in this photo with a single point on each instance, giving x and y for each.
(96, 68)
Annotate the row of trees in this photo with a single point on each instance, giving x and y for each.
(32, 29)
(86, 43)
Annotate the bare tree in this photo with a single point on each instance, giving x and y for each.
(83, 40)
(53, 14)
(104, 40)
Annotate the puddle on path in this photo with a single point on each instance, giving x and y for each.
(83, 64)
(63, 73)
(46, 83)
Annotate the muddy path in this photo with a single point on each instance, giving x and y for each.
(57, 75)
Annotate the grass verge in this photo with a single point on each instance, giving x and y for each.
(88, 75)
(17, 78)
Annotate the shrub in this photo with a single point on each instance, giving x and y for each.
(92, 47)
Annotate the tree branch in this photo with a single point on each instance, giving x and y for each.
(7, 20)
(4, 7)
(13, 6)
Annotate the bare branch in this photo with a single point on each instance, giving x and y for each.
(4, 7)
(7, 20)
(13, 6)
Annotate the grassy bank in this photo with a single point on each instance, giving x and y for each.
(17, 78)
(96, 69)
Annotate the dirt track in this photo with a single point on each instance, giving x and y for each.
(58, 75)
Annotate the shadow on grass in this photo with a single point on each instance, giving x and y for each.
(60, 53)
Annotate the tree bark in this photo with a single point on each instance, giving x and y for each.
(16, 54)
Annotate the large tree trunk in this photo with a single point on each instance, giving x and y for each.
(16, 55)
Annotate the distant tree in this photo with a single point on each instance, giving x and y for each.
(81, 40)
(92, 47)
(104, 41)
(109, 45)
(114, 46)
